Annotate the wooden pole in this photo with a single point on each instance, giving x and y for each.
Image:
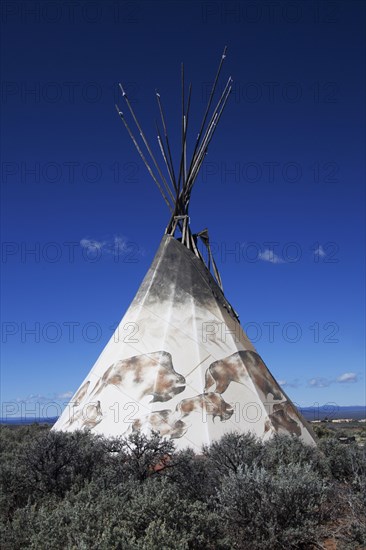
(143, 157)
(146, 143)
(166, 138)
(212, 93)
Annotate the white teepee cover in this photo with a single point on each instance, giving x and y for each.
(180, 363)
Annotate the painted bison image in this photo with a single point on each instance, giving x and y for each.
(88, 416)
(241, 367)
(207, 404)
(284, 419)
(162, 422)
(141, 375)
(81, 393)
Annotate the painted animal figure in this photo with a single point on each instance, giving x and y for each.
(141, 375)
(240, 367)
(207, 404)
(81, 393)
(283, 419)
(162, 422)
(88, 416)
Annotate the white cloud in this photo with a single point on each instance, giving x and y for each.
(116, 246)
(65, 395)
(347, 377)
(33, 398)
(319, 382)
(320, 252)
(269, 256)
(44, 399)
(120, 245)
(287, 384)
(92, 245)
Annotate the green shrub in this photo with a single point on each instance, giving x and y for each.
(57, 461)
(346, 462)
(138, 456)
(283, 450)
(79, 522)
(193, 476)
(272, 510)
(134, 517)
(77, 491)
(233, 451)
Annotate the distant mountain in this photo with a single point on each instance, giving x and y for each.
(331, 411)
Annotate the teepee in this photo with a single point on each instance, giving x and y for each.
(179, 362)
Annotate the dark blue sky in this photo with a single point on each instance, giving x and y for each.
(282, 190)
